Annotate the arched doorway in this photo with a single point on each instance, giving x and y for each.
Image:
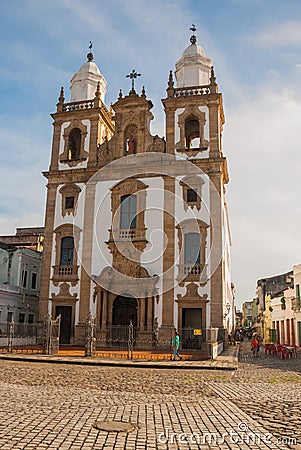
(125, 310)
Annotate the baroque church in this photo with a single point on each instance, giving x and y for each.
(136, 225)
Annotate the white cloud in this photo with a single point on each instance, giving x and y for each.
(24, 155)
(278, 35)
(262, 143)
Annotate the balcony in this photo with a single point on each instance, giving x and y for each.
(65, 273)
(193, 272)
(127, 234)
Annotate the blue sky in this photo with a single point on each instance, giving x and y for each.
(256, 49)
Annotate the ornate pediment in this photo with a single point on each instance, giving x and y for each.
(135, 281)
(192, 296)
(64, 294)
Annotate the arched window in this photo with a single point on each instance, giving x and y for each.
(192, 132)
(74, 143)
(128, 211)
(67, 250)
(192, 249)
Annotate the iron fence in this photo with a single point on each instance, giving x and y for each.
(15, 337)
(118, 338)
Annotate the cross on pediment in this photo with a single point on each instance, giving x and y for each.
(133, 75)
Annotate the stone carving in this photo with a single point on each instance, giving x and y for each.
(158, 145)
(64, 294)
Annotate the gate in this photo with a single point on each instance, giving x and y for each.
(90, 335)
(52, 333)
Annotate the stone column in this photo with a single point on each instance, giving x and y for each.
(47, 253)
(150, 318)
(142, 313)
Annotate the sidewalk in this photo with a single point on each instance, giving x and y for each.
(227, 360)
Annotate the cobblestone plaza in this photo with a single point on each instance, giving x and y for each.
(56, 406)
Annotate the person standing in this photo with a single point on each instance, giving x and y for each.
(176, 346)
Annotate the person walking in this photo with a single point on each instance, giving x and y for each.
(176, 346)
(254, 346)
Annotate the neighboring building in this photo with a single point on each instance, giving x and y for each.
(136, 226)
(31, 238)
(268, 288)
(238, 318)
(19, 284)
(283, 312)
(250, 313)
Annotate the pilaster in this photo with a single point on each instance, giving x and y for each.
(47, 252)
(169, 254)
(86, 256)
(216, 254)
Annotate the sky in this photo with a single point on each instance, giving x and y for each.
(256, 50)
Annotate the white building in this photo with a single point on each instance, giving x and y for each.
(19, 284)
(136, 226)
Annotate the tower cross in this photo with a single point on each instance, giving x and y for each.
(193, 28)
(133, 75)
(193, 38)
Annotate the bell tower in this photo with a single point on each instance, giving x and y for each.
(79, 128)
(194, 123)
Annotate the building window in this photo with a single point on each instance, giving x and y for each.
(9, 316)
(128, 212)
(192, 235)
(67, 249)
(69, 202)
(34, 277)
(192, 186)
(24, 275)
(21, 317)
(191, 196)
(192, 249)
(70, 194)
(30, 318)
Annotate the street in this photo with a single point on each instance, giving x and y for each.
(56, 406)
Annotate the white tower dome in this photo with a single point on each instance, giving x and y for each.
(193, 68)
(84, 82)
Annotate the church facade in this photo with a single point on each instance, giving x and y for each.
(136, 225)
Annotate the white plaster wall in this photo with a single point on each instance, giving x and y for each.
(151, 258)
(101, 256)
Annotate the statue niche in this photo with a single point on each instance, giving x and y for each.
(130, 137)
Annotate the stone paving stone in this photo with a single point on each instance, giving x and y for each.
(55, 406)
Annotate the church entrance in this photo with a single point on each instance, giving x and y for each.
(125, 310)
(66, 320)
(192, 326)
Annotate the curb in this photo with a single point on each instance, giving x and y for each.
(112, 363)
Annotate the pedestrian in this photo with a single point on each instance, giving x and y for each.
(176, 346)
(254, 346)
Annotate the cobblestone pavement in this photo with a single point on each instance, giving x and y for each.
(55, 406)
